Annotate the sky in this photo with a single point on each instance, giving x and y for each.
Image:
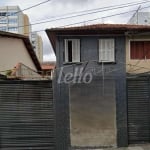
(75, 11)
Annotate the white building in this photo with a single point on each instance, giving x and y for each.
(37, 45)
(12, 19)
(16, 51)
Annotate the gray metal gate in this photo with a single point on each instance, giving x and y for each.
(138, 110)
(26, 115)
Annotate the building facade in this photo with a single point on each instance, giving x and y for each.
(11, 20)
(17, 49)
(138, 46)
(48, 69)
(90, 88)
(37, 45)
(14, 20)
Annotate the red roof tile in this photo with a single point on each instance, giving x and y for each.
(102, 27)
(48, 66)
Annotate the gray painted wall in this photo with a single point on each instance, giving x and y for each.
(115, 71)
(93, 114)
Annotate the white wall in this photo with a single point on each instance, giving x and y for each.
(13, 51)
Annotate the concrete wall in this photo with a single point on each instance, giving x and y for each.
(136, 66)
(117, 72)
(13, 51)
(93, 114)
(25, 73)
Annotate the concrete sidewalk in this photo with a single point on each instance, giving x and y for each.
(139, 147)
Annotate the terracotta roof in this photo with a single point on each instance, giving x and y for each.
(48, 66)
(102, 27)
(27, 45)
(98, 29)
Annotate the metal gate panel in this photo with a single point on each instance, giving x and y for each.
(26, 115)
(138, 110)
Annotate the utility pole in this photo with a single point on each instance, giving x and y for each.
(137, 12)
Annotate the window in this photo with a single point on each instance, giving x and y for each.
(3, 28)
(106, 50)
(140, 49)
(11, 13)
(12, 21)
(72, 50)
(3, 21)
(3, 14)
(34, 47)
(33, 42)
(12, 29)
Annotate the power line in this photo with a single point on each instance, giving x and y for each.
(84, 20)
(100, 8)
(76, 16)
(101, 17)
(28, 8)
(90, 19)
(62, 18)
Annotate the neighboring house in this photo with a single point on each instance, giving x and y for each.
(138, 53)
(90, 83)
(16, 48)
(138, 46)
(15, 21)
(48, 69)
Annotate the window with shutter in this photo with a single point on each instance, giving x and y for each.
(106, 50)
(140, 50)
(72, 50)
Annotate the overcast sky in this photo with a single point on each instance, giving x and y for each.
(56, 9)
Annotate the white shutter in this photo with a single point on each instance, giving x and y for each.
(106, 50)
(101, 50)
(66, 50)
(75, 50)
(111, 49)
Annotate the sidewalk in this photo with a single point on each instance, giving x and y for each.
(139, 147)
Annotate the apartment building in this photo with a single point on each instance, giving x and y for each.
(12, 19)
(37, 45)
